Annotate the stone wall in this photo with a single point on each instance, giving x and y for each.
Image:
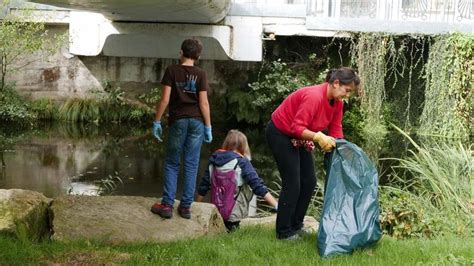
(63, 75)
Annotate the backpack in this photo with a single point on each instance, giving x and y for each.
(223, 186)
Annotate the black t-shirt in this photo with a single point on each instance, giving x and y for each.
(186, 82)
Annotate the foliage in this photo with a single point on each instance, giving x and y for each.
(44, 109)
(113, 95)
(406, 58)
(21, 37)
(442, 173)
(391, 71)
(433, 182)
(13, 108)
(405, 215)
(449, 87)
(262, 97)
(109, 105)
(151, 98)
(368, 54)
(353, 122)
(80, 110)
(109, 185)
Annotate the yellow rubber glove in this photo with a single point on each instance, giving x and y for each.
(325, 142)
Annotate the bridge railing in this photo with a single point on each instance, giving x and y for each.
(450, 11)
(401, 16)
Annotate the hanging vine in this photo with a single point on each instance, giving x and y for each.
(449, 87)
(368, 54)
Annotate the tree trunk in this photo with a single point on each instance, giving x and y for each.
(3, 160)
(4, 73)
(3, 82)
(3, 174)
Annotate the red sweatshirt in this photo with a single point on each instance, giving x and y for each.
(309, 108)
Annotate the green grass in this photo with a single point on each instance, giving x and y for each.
(250, 246)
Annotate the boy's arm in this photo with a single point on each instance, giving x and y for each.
(165, 99)
(204, 107)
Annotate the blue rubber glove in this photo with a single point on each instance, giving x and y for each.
(157, 130)
(207, 134)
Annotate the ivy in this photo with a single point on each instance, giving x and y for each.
(449, 87)
(368, 54)
(13, 108)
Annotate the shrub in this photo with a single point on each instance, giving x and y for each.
(109, 105)
(44, 109)
(255, 105)
(13, 108)
(430, 191)
(80, 110)
(152, 97)
(404, 215)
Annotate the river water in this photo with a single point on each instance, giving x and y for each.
(58, 159)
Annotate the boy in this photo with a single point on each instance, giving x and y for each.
(185, 89)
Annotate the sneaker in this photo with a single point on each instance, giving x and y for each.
(184, 212)
(292, 238)
(164, 210)
(304, 232)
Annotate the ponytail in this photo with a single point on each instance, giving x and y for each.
(345, 75)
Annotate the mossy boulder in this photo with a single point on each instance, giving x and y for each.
(23, 213)
(310, 225)
(126, 219)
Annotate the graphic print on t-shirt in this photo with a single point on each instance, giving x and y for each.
(189, 86)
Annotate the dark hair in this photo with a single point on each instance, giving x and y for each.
(345, 75)
(191, 48)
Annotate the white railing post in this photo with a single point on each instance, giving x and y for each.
(337, 8)
(326, 10)
(311, 7)
(381, 9)
(457, 14)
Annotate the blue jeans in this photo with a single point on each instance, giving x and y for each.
(185, 136)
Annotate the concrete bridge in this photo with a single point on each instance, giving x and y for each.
(235, 29)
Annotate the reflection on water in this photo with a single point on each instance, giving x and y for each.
(57, 159)
(70, 158)
(47, 165)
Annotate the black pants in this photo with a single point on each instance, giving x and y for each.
(296, 167)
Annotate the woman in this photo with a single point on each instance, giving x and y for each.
(300, 120)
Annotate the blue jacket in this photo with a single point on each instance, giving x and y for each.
(247, 172)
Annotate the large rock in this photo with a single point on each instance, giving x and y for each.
(310, 224)
(23, 213)
(122, 219)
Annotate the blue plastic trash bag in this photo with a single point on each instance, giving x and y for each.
(350, 216)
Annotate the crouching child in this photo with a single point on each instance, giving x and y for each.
(233, 180)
